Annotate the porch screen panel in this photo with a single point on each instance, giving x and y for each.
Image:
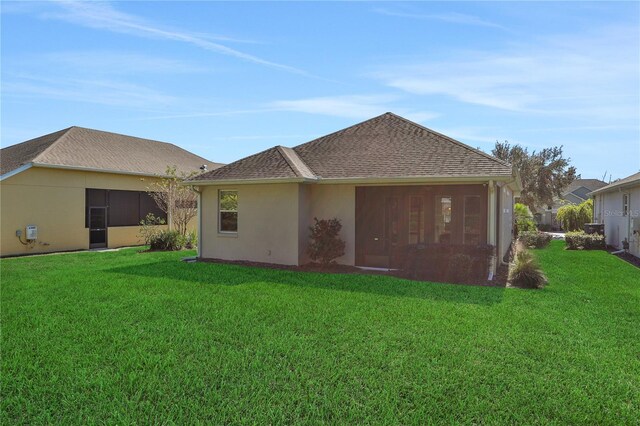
(124, 208)
(443, 219)
(472, 217)
(416, 220)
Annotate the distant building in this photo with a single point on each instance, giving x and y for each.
(80, 188)
(577, 192)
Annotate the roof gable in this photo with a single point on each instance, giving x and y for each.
(78, 147)
(387, 146)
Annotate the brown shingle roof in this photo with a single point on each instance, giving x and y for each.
(94, 149)
(387, 146)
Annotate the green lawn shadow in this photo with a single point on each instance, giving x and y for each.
(233, 275)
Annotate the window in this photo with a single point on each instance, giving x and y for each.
(228, 207)
(471, 225)
(443, 219)
(625, 204)
(416, 221)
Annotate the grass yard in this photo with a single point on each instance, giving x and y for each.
(122, 337)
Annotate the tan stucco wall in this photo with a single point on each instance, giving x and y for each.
(268, 224)
(339, 201)
(54, 200)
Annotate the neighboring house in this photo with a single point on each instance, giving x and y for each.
(577, 192)
(81, 189)
(617, 205)
(391, 183)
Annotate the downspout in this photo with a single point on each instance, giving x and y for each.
(197, 190)
(491, 225)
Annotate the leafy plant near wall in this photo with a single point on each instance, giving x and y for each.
(178, 201)
(524, 218)
(525, 271)
(572, 217)
(150, 228)
(325, 245)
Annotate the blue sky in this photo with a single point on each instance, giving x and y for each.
(225, 80)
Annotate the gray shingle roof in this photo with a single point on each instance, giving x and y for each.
(634, 179)
(387, 146)
(94, 149)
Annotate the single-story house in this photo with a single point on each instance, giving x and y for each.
(575, 193)
(617, 206)
(391, 182)
(80, 188)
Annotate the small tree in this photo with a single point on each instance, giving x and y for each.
(326, 244)
(178, 201)
(572, 217)
(523, 218)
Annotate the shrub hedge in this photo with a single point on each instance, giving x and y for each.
(580, 240)
(534, 239)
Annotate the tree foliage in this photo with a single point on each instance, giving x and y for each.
(572, 217)
(523, 218)
(544, 174)
(178, 201)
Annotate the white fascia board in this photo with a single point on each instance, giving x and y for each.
(16, 171)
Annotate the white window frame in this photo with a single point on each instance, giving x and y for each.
(220, 211)
(625, 204)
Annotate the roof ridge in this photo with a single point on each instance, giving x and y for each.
(342, 130)
(47, 149)
(288, 155)
(464, 145)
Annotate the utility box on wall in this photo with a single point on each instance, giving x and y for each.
(32, 232)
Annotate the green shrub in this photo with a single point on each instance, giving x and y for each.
(460, 268)
(325, 244)
(150, 228)
(534, 239)
(523, 219)
(525, 271)
(167, 241)
(572, 217)
(579, 240)
(191, 240)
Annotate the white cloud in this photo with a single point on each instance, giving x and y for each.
(96, 91)
(450, 17)
(589, 76)
(103, 16)
(113, 62)
(349, 106)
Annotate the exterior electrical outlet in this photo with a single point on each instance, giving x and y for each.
(32, 232)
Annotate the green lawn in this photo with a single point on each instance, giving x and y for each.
(126, 337)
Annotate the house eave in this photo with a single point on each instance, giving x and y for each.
(16, 171)
(96, 170)
(358, 180)
(614, 188)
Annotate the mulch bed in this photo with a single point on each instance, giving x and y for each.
(629, 258)
(499, 280)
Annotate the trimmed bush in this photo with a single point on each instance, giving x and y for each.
(460, 268)
(580, 240)
(167, 241)
(433, 262)
(525, 271)
(534, 239)
(325, 245)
